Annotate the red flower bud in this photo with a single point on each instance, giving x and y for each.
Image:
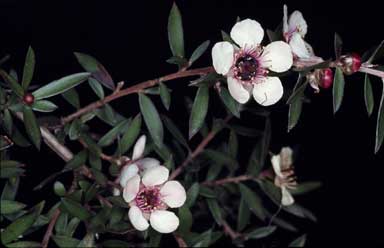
(350, 63)
(326, 78)
(28, 99)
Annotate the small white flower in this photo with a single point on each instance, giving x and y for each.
(150, 196)
(246, 67)
(285, 179)
(294, 30)
(138, 166)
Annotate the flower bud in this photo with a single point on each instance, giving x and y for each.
(326, 78)
(349, 63)
(28, 99)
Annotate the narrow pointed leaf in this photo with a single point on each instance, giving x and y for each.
(18, 227)
(244, 215)
(72, 97)
(9, 207)
(75, 209)
(192, 194)
(199, 110)
(253, 201)
(261, 232)
(12, 82)
(380, 123)
(199, 51)
(131, 134)
(338, 43)
(338, 89)
(61, 85)
(29, 68)
(7, 121)
(64, 241)
(77, 161)
(186, 220)
(90, 64)
(368, 95)
(175, 32)
(165, 96)
(109, 137)
(299, 242)
(44, 106)
(152, 119)
(232, 105)
(96, 87)
(31, 126)
(176, 133)
(377, 54)
(23, 244)
(295, 109)
(59, 188)
(215, 210)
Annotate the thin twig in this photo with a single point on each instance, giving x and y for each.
(51, 225)
(229, 231)
(135, 89)
(180, 241)
(197, 151)
(228, 180)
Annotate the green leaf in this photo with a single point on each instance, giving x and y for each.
(273, 36)
(61, 224)
(214, 207)
(175, 32)
(44, 106)
(131, 134)
(176, 133)
(151, 119)
(226, 37)
(253, 201)
(24, 244)
(31, 126)
(77, 161)
(10, 189)
(96, 87)
(8, 172)
(75, 129)
(100, 178)
(299, 242)
(305, 187)
(232, 105)
(298, 90)
(18, 227)
(109, 137)
(199, 51)
(165, 96)
(338, 43)
(295, 109)
(192, 194)
(368, 95)
(71, 227)
(95, 161)
(61, 85)
(380, 123)
(244, 215)
(90, 64)
(9, 163)
(87, 241)
(64, 241)
(181, 62)
(59, 188)
(72, 97)
(107, 114)
(12, 82)
(221, 158)
(199, 110)
(338, 89)
(29, 68)
(186, 220)
(91, 144)
(75, 209)
(8, 122)
(261, 232)
(10, 207)
(378, 53)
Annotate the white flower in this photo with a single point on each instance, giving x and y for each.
(246, 67)
(150, 196)
(294, 30)
(138, 166)
(282, 165)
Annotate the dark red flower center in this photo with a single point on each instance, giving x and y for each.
(148, 199)
(246, 68)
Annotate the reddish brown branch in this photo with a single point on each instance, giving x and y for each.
(196, 152)
(228, 180)
(134, 89)
(229, 231)
(51, 225)
(180, 241)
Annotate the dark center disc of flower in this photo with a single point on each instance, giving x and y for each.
(148, 199)
(246, 67)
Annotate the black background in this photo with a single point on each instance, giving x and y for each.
(130, 39)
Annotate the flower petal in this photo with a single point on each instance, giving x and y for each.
(155, 176)
(299, 47)
(247, 33)
(285, 19)
(139, 147)
(131, 188)
(237, 91)
(127, 173)
(268, 92)
(147, 163)
(277, 56)
(275, 160)
(164, 221)
(137, 219)
(296, 21)
(173, 194)
(222, 57)
(286, 197)
(286, 154)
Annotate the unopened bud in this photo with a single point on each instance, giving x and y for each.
(28, 99)
(326, 78)
(349, 63)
